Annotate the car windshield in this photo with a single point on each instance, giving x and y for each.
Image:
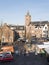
(7, 53)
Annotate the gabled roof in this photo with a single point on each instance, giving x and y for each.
(17, 27)
(42, 23)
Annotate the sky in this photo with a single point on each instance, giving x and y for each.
(14, 11)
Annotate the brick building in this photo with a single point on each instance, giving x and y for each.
(36, 28)
(10, 33)
(6, 34)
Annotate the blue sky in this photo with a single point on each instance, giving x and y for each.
(14, 11)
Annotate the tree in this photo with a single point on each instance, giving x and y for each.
(1, 32)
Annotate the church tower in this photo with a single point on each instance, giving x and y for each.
(27, 19)
(27, 25)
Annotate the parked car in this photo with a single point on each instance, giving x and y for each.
(6, 56)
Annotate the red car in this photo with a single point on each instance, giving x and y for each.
(6, 57)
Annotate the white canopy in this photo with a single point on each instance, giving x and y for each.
(46, 43)
(43, 46)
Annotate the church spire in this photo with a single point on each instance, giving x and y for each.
(28, 13)
(27, 19)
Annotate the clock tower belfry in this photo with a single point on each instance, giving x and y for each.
(27, 19)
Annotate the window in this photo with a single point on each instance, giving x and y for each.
(21, 28)
(11, 38)
(45, 31)
(35, 26)
(45, 27)
(44, 35)
(3, 39)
